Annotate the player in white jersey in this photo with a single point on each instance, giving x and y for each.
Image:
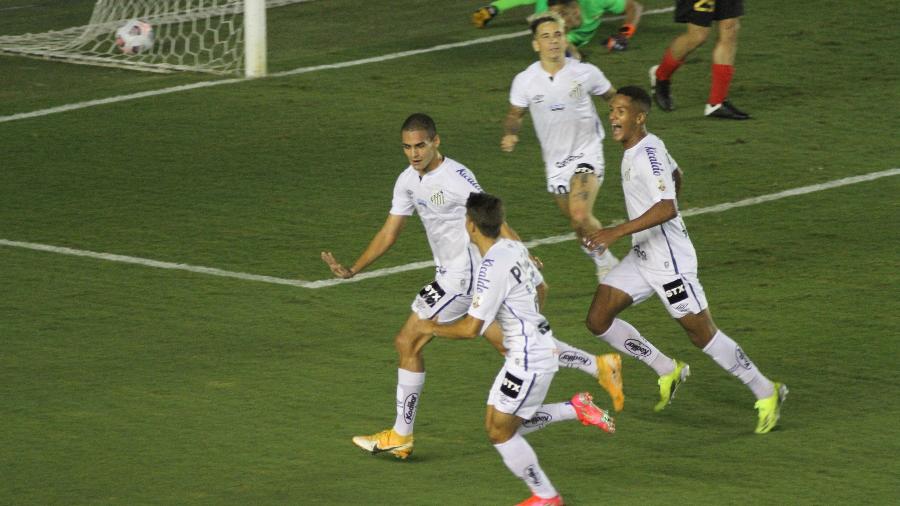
(663, 262)
(508, 291)
(436, 187)
(558, 92)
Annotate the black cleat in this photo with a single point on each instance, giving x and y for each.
(662, 93)
(724, 110)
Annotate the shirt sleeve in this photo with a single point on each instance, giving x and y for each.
(518, 95)
(656, 173)
(491, 289)
(598, 84)
(402, 203)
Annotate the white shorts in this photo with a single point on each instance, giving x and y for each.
(682, 293)
(444, 303)
(559, 182)
(520, 393)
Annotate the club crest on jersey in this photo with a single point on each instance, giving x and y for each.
(661, 185)
(577, 90)
(476, 300)
(438, 198)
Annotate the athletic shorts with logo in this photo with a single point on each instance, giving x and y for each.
(560, 182)
(517, 392)
(681, 293)
(704, 12)
(438, 298)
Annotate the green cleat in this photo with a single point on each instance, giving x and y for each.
(770, 409)
(669, 383)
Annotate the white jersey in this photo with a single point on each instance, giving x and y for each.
(562, 111)
(440, 199)
(647, 178)
(506, 291)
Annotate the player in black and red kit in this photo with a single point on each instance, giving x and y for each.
(699, 15)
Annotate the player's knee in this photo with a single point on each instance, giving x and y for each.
(696, 37)
(408, 343)
(597, 323)
(497, 434)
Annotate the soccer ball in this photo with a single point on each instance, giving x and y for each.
(134, 37)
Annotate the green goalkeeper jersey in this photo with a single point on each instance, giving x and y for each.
(591, 10)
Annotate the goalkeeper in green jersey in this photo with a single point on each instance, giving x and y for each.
(582, 19)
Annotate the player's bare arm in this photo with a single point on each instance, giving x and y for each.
(466, 328)
(661, 212)
(380, 244)
(512, 124)
(677, 175)
(609, 94)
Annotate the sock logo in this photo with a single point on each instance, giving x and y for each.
(539, 419)
(742, 359)
(675, 291)
(511, 386)
(572, 358)
(409, 407)
(531, 476)
(637, 348)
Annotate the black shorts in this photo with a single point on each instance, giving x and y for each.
(704, 12)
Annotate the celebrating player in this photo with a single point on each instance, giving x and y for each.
(558, 92)
(663, 262)
(507, 291)
(436, 187)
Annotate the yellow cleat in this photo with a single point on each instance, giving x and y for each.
(609, 368)
(669, 383)
(770, 409)
(484, 15)
(386, 441)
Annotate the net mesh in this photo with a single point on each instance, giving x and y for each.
(193, 35)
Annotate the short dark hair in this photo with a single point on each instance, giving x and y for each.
(637, 95)
(486, 211)
(547, 17)
(420, 121)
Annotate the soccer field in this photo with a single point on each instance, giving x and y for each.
(166, 340)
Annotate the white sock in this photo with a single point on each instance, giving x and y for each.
(570, 356)
(409, 389)
(520, 458)
(547, 414)
(625, 338)
(725, 352)
(602, 260)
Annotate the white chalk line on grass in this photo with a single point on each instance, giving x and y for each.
(302, 70)
(428, 263)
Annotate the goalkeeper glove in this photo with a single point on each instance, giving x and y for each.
(619, 41)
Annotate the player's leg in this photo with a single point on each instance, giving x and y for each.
(697, 14)
(580, 407)
(621, 288)
(607, 368)
(717, 105)
(578, 206)
(516, 393)
(484, 15)
(728, 354)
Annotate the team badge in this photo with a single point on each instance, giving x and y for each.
(662, 185)
(438, 198)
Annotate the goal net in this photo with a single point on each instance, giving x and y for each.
(193, 35)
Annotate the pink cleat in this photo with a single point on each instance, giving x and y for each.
(540, 501)
(589, 414)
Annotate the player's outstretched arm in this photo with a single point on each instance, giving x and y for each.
(383, 240)
(511, 126)
(467, 328)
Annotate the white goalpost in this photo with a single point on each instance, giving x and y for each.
(213, 36)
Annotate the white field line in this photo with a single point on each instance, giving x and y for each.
(302, 70)
(427, 263)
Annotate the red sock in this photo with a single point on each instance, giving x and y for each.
(721, 80)
(667, 66)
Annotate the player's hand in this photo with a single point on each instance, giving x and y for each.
(617, 42)
(601, 239)
(537, 262)
(508, 142)
(336, 267)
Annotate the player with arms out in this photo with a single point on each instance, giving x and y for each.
(662, 262)
(558, 92)
(436, 187)
(507, 291)
(582, 17)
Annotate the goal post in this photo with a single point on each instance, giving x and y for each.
(214, 36)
